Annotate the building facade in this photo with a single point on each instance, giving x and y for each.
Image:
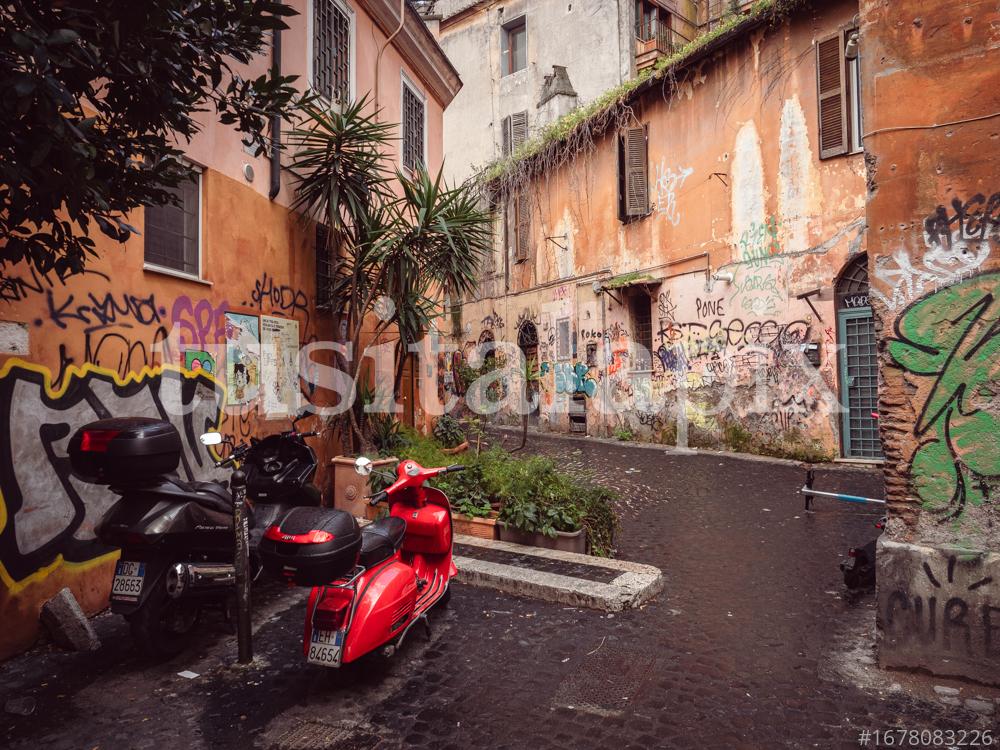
(695, 273)
(526, 63)
(934, 244)
(212, 301)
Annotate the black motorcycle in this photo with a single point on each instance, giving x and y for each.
(859, 567)
(176, 536)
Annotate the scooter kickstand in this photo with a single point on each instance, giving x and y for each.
(427, 626)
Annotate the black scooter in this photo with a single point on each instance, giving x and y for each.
(859, 567)
(176, 536)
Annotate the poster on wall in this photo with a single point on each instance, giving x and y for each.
(279, 365)
(242, 358)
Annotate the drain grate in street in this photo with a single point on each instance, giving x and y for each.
(315, 735)
(595, 573)
(608, 680)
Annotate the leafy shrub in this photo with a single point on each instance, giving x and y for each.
(386, 434)
(448, 431)
(624, 433)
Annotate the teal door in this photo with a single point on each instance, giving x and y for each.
(858, 383)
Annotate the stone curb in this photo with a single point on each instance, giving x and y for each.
(636, 583)
(675, 450)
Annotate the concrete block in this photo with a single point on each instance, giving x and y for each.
(67, 624)
(939, 610)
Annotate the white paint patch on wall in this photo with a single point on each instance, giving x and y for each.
(565, 259)
(795, 194)
(13, 338)
(748, 180)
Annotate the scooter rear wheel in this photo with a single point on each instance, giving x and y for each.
(163, 627)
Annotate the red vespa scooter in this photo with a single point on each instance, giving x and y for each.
(370, 586)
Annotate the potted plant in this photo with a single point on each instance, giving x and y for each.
(448, 431)
(472, 510)
(538, 506)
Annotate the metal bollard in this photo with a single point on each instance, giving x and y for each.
(241, 561)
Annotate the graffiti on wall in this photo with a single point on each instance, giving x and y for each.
(50, 515)
(950, 342)
(669, 182)
(956, 245)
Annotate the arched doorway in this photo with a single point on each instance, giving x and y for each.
(858, 362)
(527, 342)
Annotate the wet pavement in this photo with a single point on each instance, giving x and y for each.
(752, 644)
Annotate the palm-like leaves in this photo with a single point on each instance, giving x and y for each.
(412, 239)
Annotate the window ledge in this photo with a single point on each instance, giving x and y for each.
(152, 267)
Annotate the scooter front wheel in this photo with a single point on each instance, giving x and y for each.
(163, 627)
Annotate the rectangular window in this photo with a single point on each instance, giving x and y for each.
(413, 127)
(640, 308)
(514, 46)
(515, 132)
(633, 174)
(651, 22)
(562, 339)
(518, 226)
(854, 96)
(838, 86)
(332, 41)
(324, 269)
(172, 235)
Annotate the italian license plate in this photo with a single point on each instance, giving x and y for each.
(127, 584)
(325, 647)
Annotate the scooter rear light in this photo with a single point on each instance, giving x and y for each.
(316, 536)
(96, 441)
(330, 614)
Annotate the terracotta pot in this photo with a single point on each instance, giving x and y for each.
(349, 487)
(457, 449)
(565, 541)
(484, 528)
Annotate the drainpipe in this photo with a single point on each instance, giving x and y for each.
(275, 119)
(378, 58)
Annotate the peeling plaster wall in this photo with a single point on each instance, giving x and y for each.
(736, 186)
(934, 258)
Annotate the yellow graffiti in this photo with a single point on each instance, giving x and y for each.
(73, 373)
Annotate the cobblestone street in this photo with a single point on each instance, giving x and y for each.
(752, 644)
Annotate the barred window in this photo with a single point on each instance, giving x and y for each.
(332, 50)
(413, 128)
(172, 235)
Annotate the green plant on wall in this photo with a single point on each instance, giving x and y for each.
(953, 337)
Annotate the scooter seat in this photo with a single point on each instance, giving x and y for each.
(381, 539)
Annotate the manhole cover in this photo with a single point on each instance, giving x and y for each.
(608, 680)
(314, 735)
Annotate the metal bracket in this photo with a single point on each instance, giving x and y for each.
(558, 237)
(721, 176)
(807, 296)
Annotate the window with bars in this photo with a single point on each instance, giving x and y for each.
(640, 308)
(324, 269)
(332, 28)
(413, 128)
(838, 87)
(172, 235)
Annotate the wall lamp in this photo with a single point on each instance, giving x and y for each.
(726, 276)
(851, 48)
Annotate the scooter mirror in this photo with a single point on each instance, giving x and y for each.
(211, 438)
(363, 466)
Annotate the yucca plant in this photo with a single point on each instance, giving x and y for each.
(409, 238)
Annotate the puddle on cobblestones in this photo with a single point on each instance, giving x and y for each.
(608, 680)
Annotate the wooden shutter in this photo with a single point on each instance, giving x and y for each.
(523, 226)
(510, 227)
(832, 96)
(636, 180)
(518, 130)
(506, 140)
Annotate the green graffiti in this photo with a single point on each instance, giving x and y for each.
(953, 336)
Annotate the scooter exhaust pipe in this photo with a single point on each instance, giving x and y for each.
(199, 578)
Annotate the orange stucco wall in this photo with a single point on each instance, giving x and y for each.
(81, 350)
(736, 187)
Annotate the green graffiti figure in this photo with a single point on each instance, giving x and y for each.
(953, 336)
